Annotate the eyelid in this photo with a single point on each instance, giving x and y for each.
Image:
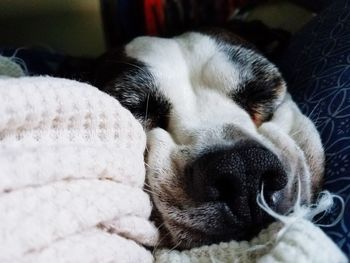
(258, 121)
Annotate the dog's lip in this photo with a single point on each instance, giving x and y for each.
(204, 237)
(235, 229)
(230, 226)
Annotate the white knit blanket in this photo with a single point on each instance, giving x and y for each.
(71, 175)
(292, 240)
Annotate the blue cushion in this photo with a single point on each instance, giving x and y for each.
(317, 68)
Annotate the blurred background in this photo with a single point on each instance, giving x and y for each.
(70, 26)
(75, 27)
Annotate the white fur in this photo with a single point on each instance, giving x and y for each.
(194, 74)
(194, 81)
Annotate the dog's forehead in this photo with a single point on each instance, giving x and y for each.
(194, 58)
(195, 74)
(195, 64)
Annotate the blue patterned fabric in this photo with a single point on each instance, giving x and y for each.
(317, 69)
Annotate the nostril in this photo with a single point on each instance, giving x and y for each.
(234, 176)
(231, 179)
(274, 179)
(214, 176)
(226, 188)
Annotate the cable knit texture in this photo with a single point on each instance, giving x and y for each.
(299, 242)
(72, 172)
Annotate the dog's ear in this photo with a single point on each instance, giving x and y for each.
(270, 41)
(111, 65)
(77, 68)
(133, 85)
(96, 71)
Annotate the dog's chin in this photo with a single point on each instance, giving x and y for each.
(188, 228)
(185, 227)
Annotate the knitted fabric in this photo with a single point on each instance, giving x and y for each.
(72, 172)
(302, 242)
(293, 239)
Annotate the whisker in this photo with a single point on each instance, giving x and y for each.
(146, 113)
(160, 240)
(146, 148)
(149, 190)
(161, 225)
(146, 164)
(284, 149)
(174, 247)
(152, 193)
(148, 185)
(296, 132)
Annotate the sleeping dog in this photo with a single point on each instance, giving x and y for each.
(221, 128)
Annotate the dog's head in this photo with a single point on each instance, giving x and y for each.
(221, 127)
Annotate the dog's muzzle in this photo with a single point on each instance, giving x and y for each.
(233, 177)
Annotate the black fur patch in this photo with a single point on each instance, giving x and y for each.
(132, 84)
(224, 36)
(259, 94)
(259, 90)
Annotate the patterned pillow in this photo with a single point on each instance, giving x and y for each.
(317, 68)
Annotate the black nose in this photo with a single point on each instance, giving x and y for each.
(235, 176)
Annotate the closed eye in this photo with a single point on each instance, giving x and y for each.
(132, 84)
(260, 98)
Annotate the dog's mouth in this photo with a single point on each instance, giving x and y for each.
(206, 224)
(185, 226)
(200, 201)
